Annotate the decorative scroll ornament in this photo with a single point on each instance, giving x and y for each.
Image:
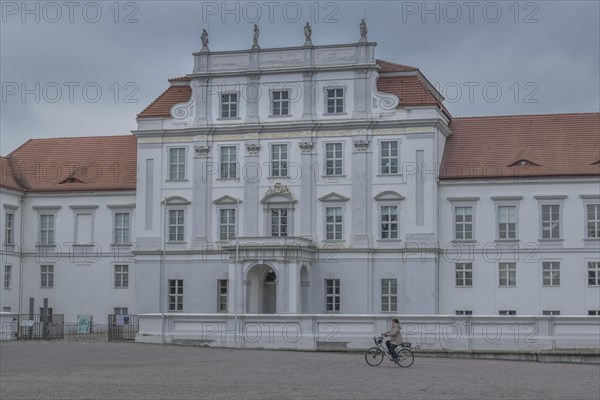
(306, 147)
(183, 111)
(201, 150)
(253, 148)
(361, 145)
(278, 188)
(383, 101)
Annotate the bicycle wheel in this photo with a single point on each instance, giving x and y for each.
(405, 358)
(374, 356)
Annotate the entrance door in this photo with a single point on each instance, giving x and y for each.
(269, 293)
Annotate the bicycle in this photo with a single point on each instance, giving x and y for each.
(374, 356)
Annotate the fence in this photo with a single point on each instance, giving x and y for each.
(122, 327)
(39, 326)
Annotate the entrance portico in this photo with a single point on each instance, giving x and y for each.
(272, 275)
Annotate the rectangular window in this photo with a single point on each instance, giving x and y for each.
(47, 275)
(6, 309)
(389, 295)
(122, 228)
(279, 222)
(333, 159)
(593, 221)
(389, 222)
(176, 225)
(8, 228)
(335, 101)
(389, 157)
(222, 286)
(281, 102)
(121, 311)
(177, 164)
(229, 105)
(551, 273)
(333, 223)
(507, 222)
(593, 312)
(551, 221)
(228, 162)
(463, 223)
(7, 276)
(121, 276)
(508, 312)
(464, 274)
(594, 273)
(279, 160)
(508, 274)
(550, 312)
(47, 229)
(464, 312)
(332, 295)
(227, 223)
(175, 294)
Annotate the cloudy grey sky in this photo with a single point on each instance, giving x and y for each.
(87, 68)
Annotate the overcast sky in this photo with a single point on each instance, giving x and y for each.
(485, 57)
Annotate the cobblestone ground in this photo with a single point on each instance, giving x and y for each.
(101, 370)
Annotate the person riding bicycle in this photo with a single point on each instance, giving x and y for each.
(395, 337)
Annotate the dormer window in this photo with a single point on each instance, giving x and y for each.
(523, 163)
(229, 105)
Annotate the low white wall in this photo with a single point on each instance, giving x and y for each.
(323, 331)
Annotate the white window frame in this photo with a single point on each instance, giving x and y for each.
(337, 170)
(231, 170)
(336, 98)
(389, 296)
(548, 269)
(463, 312)
(461, 272)
(120, 310)
(177, 225)
(389, 157)
(334, 224)
(501, 203)
(281, 102)
(594, 222)
(47, 241)
(550, 201)
(222, 295)
(9, 227)
(593, 312)
(591, 200)
(507, 312)
(178, 168)
(389, 222)
(552, 313)
(121, 276)
(7, 276)
(593, 273)
(175, 300)
(332, 300)
(229, 227)
(509, 270)
(233, 107)
(458, 202)
(279, 224)
(46, 276)
(464, 231)
(283, 164)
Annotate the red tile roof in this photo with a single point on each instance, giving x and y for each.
(75, 164)
(548, 145)
(412, 89)
(7, 178)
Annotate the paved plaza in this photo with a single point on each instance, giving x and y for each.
(102, 370)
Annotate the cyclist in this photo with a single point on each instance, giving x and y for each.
(395, 337)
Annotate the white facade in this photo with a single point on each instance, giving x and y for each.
(289, 184)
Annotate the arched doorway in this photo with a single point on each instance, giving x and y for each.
(261, 290)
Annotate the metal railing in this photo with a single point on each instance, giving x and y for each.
(122, 327)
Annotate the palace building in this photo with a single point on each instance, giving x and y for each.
(307, 180)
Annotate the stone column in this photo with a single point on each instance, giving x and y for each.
(293, 289)
(251, 171)
(361, 181)
(203, 173)
(307, 189)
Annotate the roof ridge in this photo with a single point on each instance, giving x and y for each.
(396, 64)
